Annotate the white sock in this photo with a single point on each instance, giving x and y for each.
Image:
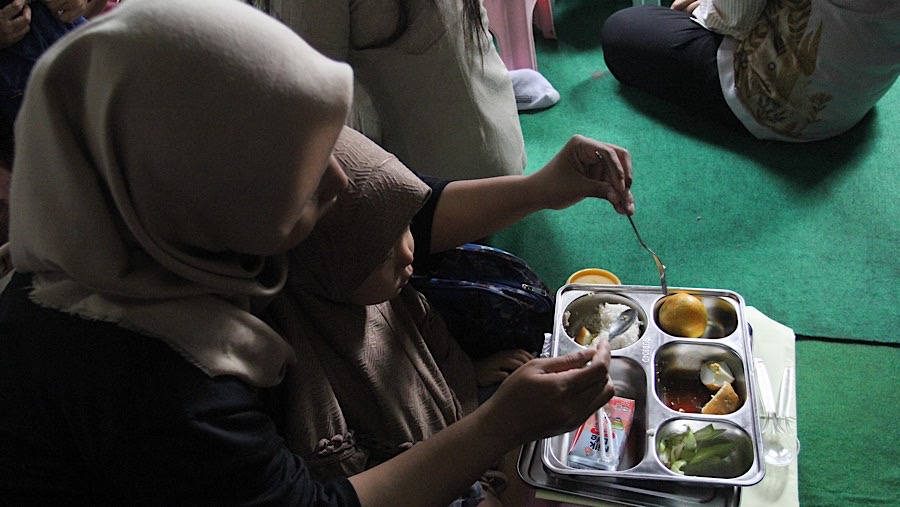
(532, 90)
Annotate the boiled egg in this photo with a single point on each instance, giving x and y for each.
(714, 375)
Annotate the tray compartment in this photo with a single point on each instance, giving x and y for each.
(735, 464)
(583, 311)
(630, 380)
(677, 374)
(722, 318)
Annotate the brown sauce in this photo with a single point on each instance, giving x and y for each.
(682, 390)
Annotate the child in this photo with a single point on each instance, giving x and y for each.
(378, 371)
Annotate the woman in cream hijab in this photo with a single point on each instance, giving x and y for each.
(167, 154)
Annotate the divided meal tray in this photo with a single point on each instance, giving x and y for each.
(639, 372)
(623, 491)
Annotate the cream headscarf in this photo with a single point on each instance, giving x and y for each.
(161, 149)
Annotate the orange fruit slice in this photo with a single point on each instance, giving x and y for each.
(683, 314)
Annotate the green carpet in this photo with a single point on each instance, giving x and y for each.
(847, 415)
(799, 230)
(807, 233)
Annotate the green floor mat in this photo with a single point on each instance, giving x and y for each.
(804, 232)
(847, 416)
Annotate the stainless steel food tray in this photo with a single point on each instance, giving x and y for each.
(637, 371)
(624, 492)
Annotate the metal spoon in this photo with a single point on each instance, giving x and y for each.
(622, 322)
(659, 265)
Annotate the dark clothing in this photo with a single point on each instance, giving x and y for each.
(678, 64)
(16, 62)
(101, 415)
(95, 414)
(422, 222)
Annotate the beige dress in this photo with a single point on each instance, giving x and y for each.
(417, 92)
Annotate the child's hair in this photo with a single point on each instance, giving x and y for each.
(475, 33)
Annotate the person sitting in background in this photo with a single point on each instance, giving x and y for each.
(430, 86)
(27, 29)
(149, 227)
(799, 70)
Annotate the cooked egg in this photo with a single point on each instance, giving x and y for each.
(714, 375)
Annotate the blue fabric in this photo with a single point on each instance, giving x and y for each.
(490, 299)
(16, 61)
(473, 497)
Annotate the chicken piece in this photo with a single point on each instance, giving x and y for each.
(584, 337)
(724, 402)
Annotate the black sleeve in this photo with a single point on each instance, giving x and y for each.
(424, 220)
(92, 411)
(221, 448)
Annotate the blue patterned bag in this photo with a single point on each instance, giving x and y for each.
(490, 299)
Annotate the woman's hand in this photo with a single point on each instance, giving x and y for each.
(584, 168)
(543, 397)
(15, 22)
(66, 11)
(546, 397)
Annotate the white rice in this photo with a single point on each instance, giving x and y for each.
(600, 322)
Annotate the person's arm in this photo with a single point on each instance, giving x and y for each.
(544, 397)
(726, 17)
(472, 209)
(15, 22)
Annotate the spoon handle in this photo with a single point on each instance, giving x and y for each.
(765, 388)
(659, 265)
(786, 394)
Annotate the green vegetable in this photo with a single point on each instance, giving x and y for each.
(707, 432)
(690, 451)
(714, 451)
(690, 441)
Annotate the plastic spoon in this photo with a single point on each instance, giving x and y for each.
(785, 407)
(779, 447)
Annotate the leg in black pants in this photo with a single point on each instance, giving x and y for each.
(665, 53)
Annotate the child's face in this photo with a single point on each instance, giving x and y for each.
(386, 280)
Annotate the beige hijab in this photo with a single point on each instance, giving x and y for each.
(161, 149)
(370, 380)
